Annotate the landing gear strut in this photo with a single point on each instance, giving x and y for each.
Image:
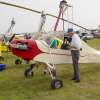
(55, 83)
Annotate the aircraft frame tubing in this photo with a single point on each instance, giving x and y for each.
(50, 69)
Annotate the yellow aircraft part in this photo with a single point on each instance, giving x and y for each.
(0, 49)
(3, 48)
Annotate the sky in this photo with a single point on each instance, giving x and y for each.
(85, 13)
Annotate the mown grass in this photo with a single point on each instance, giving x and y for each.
(14, 86)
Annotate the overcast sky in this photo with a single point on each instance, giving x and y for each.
(85, 13)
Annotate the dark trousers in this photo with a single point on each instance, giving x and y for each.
(75, 59)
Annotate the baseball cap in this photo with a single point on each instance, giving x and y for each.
(70, 30)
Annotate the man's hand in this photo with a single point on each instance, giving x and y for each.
(71, 46)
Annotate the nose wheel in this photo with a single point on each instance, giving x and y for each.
(29, 72)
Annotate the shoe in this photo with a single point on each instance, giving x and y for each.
(73, 78)
(77, 80)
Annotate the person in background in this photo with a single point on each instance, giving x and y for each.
(78, 32)
(75, 46)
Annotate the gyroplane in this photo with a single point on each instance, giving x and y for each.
(38, 49)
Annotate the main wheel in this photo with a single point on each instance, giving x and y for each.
(55, 84)
(28, 73)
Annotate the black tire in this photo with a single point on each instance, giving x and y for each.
(18, 61)
(28, 73)
(55, 84)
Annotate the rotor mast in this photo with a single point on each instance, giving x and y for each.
(42, 23)
(63, 5)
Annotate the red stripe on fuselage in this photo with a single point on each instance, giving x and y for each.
(28, 54)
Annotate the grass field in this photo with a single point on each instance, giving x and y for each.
(14, 86)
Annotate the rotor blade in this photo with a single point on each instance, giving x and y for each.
(17, 6)
(68, 21)
(39, 12)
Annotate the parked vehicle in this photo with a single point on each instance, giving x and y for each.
(97, 35)
(86, 36)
